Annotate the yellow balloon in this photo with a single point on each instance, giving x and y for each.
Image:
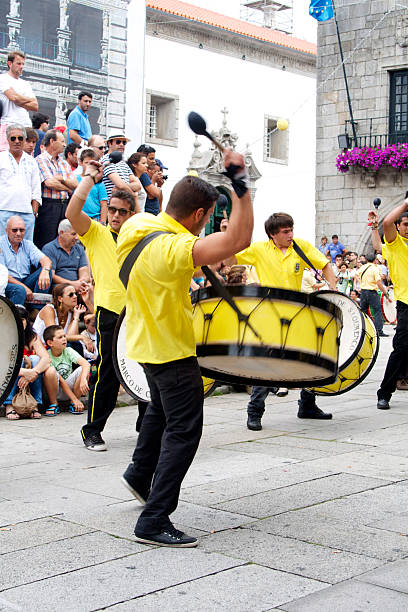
(282, 124)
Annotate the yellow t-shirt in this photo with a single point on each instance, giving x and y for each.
(101, 250)
(369, 274)
(276, 269)
(396, 254)
(158, 306)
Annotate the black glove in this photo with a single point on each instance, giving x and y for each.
(239, 179)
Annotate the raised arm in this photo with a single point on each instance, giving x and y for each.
(373, 222)
(390, 231)
(78, 219)
(220, 245)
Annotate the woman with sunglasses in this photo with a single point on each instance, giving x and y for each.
(138, 164)
(63, 311)
(40, 372)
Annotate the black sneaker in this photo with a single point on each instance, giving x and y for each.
(170, 536)
(382, 404)
(382, 335)
(313, 413)
(133, 486)
(282, 392)
(254, 423)
(95, 442)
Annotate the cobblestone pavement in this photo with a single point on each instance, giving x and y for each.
(302, 516)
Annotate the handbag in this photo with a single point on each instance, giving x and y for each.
(23, 402)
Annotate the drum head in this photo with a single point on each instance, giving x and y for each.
(129, 372)
(389, 309)
(352, 333)
(11, 354)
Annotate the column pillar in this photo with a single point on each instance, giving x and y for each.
(14, 23)
(64, 33)
(105, 40)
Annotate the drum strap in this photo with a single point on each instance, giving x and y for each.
(130, 260)
(220, 289)
(305, 258)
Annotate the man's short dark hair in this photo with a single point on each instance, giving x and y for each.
(83, 94)
(31, 134)
(88, 154)
(335, 236)
(125, 196)
(190, 194)
(276, 222)
(403, 216)
(49, 333)
(337, 256)
(71, 148)
(144, 148)
(38, 119)
(48, 136)
(370, 257)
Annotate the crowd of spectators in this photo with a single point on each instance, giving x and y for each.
(44, 269)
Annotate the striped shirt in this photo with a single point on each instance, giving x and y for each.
(121, 168)
(50, 168)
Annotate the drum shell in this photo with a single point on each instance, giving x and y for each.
(389, 311)
(288, 323)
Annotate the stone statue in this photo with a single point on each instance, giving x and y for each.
(14, 8)
(64, 16)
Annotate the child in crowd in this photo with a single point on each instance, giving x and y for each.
(96, 204)
(90, 333)
(72, 383)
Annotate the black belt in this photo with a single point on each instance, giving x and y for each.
(54, 200)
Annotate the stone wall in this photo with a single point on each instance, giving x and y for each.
(376, 37)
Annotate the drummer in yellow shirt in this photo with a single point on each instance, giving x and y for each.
(395, 251)
(278, 265)
(160, 336)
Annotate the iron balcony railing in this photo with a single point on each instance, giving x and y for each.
(379, 131)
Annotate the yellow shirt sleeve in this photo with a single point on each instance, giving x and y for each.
(248, 255)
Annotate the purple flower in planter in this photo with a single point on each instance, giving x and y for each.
(395, 156)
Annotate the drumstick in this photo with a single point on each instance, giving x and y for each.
(198, 125)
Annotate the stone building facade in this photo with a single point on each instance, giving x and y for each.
(374, 34)
(71, 45)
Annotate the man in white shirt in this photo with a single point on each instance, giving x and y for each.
(20, 192)
(16, 96)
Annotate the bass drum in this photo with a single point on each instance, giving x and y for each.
(389, 309)
(12, 340)
(130, 373)
(358, 346)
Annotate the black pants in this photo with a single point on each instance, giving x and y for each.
(398, 359)
(50, 213)
(370, 297)
(104, 387)
(169, 437)
(256, 405)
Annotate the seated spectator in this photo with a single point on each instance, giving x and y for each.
(68, 259)
(31, 141)
(63, 311)
(335, 247)
(20, 191)
(323, 245)
(71, 155)
(57, 184)
(18, 255)
(96, 204)
(138, 164)
(119, 176)
(78, 125)
(41, 124)
(97, 144)
(72, 383)
(39, 372)
(90, 333)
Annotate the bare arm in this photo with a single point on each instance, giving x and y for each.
(54, 183)
(104, 210)
(73, 134)
(29, 104)
(390, 231)
(375, 234)
(79, 220)
(329, 276)
(83, 274)
(120, 183)
(70, 182)
(217, 247)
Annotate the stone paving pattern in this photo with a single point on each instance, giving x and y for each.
(302, 516)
